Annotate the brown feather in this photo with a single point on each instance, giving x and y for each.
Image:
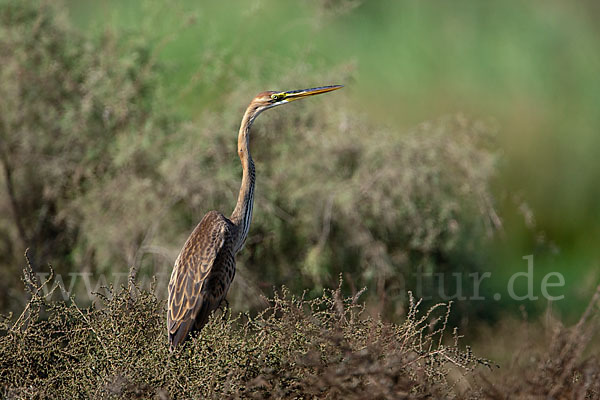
(200, 277)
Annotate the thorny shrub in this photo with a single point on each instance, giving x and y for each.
(550, 361)
(325, 347)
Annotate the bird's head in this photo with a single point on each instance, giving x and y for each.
(270, 99)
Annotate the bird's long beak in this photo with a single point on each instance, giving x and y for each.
(298, 94)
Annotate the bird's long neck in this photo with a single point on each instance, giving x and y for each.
(242, 214)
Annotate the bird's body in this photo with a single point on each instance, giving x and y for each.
(205, 266)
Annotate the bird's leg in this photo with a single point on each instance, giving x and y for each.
(224, 307)
(221, 304)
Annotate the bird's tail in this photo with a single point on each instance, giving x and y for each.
(189, 326)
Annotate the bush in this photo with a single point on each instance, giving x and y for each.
(77, 117)
(323, 347)
(548, 359)
(99, 173)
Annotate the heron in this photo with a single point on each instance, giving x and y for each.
(205, 267)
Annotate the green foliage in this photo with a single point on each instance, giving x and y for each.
(530, 65)
(76, 118)
(367, 202)
(103, 176)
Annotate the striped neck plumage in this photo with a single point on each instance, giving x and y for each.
(242, 214)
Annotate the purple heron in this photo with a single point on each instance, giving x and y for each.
(205, 266)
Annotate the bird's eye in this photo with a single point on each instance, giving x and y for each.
(275, 96)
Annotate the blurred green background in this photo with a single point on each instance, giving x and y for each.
(515, 173)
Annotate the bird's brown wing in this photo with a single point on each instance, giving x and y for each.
(191, 270)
